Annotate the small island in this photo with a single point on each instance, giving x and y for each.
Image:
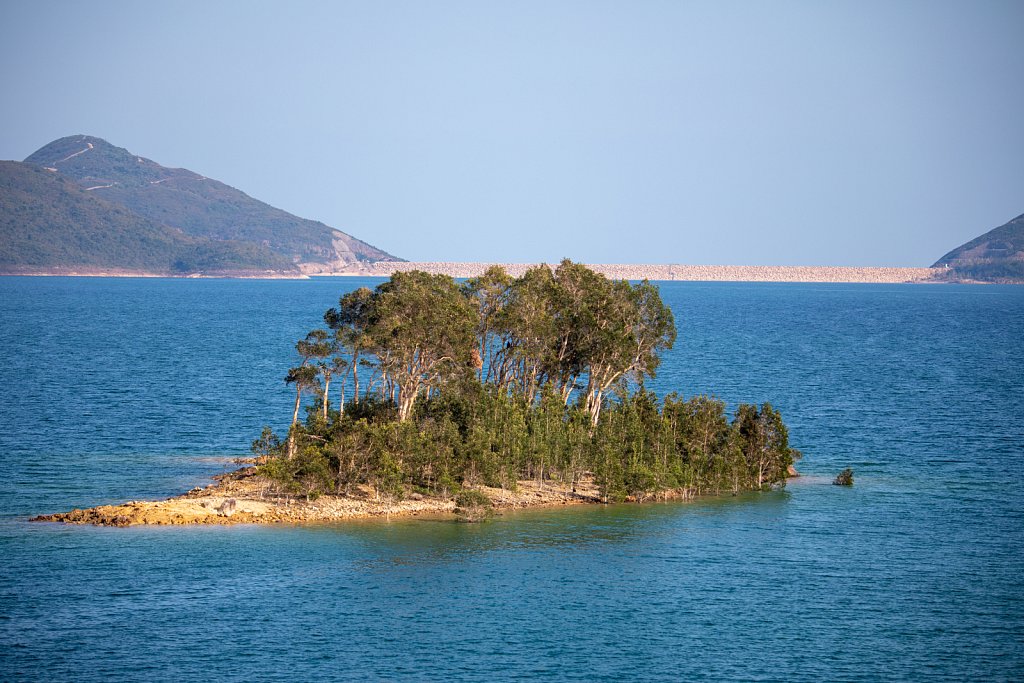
(434, 396)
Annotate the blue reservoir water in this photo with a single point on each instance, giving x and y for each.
(118, 389)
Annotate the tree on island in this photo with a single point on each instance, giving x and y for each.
(421, 327)
(303, 377)
(500, 379)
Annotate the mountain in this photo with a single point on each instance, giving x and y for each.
(996, 256)
(50, 224)
(201, 207)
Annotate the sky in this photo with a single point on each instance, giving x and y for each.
(855, 133)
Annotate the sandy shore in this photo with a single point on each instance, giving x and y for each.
(253, 503)
(243, 497)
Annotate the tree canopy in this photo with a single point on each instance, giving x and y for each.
(498, 379)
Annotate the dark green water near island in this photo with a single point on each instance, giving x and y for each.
(117, 389)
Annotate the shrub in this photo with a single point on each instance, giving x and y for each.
(473, 506)
(844, 478)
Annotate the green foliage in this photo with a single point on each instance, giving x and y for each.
(421, 327)
(267, 445)
(313, 471)
(764, 441)
(471, 498)
(473, 385)
(996, 256)
(844, 478)
(103, 208)
(309, 473)
(48, 222)
(994, 270)
(473, 506)
(281, 472)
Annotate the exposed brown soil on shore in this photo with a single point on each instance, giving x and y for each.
(243, 497)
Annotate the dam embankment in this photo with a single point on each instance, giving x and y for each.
(621, 271)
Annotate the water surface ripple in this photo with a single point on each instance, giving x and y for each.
(120, 388)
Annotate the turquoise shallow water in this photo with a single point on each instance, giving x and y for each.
(118, 389)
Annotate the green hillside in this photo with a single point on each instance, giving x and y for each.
(200, 206)
(48, 223)
(996, 256)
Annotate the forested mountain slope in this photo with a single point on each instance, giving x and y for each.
(996, 256)
(200, 206)
(48, 223)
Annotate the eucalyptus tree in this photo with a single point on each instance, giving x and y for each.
(316, 345)
(320, 345)
(608, 331)
(422, 330)
(526, 326)
(489, 294)
(337, 366)
(558, 326)
(631, 326)
(581, 300)
(303, 377)
(349, 321)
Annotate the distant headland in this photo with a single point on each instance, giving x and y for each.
(996, 256)
(83, 206)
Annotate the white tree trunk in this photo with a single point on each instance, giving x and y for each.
(295, 420)
(327, 393)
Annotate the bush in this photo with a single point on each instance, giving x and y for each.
(473, 506)
(309, 473)
(280, 474)
(267, 446)
(844, 478)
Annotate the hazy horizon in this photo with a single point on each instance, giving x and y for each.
(735, 133)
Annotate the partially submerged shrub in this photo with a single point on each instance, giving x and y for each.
(473, 506)
(844, 478)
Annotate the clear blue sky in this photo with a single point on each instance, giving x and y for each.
(858, 132)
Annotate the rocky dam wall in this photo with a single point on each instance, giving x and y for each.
(622, 271)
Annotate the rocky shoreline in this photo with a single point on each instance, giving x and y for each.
(243, 497)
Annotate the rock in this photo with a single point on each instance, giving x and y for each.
(227, 508)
